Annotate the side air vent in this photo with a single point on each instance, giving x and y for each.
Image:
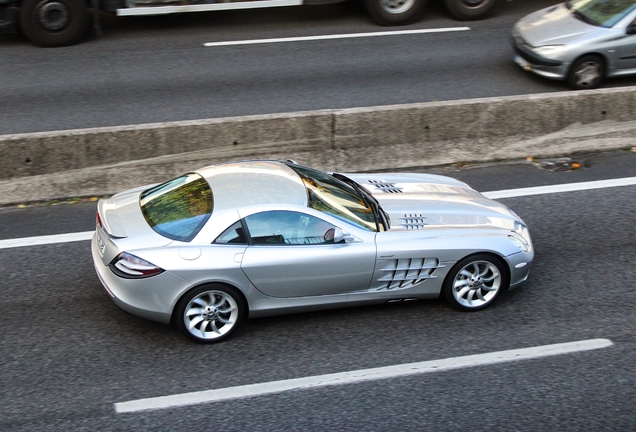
(405, 273)
(413, 221)
(385, 186)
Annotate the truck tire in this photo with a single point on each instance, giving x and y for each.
(394, 12)
(50, 23)
(466, 10)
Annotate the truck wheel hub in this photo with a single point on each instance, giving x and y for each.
(53, 16)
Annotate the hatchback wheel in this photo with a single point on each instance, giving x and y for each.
(209, 313)
(586, 73)
(475, 282)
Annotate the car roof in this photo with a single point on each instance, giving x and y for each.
(249, 183)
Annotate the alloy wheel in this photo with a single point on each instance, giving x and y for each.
(476, 284)
(211, 315)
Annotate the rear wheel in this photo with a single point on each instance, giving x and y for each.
(466, 10)
(475, 282)
(586, 73)
(209, 313)
(50, 23)
(395, 12)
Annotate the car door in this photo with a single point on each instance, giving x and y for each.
(626, 51)
(293, 254)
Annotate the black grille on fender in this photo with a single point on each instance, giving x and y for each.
(413, 221)
(407, 272)
(386, 186)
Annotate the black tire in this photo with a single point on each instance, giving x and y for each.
(482, 274)
(395, 12)
(209, 313)
(586, 73)
(468, 10)
(51, 23)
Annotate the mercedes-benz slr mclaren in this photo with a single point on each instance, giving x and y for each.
(249, 239)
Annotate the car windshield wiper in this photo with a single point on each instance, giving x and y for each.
(580, 15)
(380, 215)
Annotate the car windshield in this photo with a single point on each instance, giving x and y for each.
(179, 208)
(604, 13)
(330, 195)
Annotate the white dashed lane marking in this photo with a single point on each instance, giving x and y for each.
(336, 36)
(44, 240)
(569, 187)
(358, 376)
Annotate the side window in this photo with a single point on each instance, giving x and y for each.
(288, 228)
(233, 235)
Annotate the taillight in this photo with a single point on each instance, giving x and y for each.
(129, 266)
(99, 220)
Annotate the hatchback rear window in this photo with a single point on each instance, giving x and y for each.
(179, 208)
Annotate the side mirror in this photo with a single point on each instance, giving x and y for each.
(340, 236)
(631, 29)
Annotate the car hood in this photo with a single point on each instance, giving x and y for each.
(555, 25)
(425, 201)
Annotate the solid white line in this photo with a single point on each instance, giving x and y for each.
(358, 376)
(43, 240)
(510, 193)
(570, 187)
(336, 36)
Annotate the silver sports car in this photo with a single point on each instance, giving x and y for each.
(249, 239)
(581, 41)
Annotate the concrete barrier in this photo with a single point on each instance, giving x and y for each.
(101, 161)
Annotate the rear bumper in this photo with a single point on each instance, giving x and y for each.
(152, 298)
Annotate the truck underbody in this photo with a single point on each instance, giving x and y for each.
(52, 23)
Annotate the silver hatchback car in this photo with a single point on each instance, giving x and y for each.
(581, 41)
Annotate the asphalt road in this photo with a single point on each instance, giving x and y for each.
(69, 354)
(153, 69)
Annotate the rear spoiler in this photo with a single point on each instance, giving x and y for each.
(111, 223)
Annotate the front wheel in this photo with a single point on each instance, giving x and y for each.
(395, 12)
(586, 73)
(475, 282)
(209, 313)
(50, 23)
(466, 10)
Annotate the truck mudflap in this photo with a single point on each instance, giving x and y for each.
(8, 18)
